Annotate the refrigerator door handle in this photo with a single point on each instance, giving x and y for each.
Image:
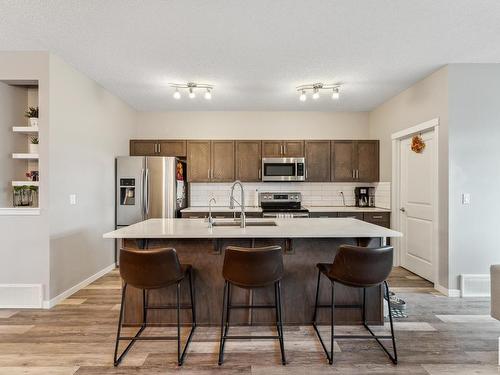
(143, 195)
(147, 191)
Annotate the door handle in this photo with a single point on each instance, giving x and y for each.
(143, 196)
(147, 193)
(402, 209)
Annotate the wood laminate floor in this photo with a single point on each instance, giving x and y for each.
(440, 336)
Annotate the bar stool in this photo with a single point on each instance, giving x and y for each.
(252, 268)
(154, 269)
(358, 267)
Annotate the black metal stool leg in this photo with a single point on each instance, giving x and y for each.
(316, 300)
(332, 321)
(115, 361)
(178, 295)
(221, 344)
(395, 358)
(193, 323)
(280, 324)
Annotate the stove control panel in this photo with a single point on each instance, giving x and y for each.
(280, 197)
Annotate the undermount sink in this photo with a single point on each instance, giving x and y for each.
(266, 223)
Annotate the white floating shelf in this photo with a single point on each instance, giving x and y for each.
(25, 183)
(25, 156)
(25, 129)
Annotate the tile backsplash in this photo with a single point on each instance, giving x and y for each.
(313, 193)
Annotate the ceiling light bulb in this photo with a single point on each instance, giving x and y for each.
(192, 95)
(177, 94)
(208, 95)
(316, 94)
(335, 94)
(303, 96)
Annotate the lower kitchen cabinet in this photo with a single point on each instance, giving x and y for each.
(379, 218)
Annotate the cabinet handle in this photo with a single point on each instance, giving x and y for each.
(281, 149)
(357, 174)
(208, 173)
(284, 149)
(306, 173)
(353, 174)
(260, 171)
(212, 174)
(377, 217)
(159, 147)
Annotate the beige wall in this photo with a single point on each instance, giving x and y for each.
(25, 239)
(89, 127)
(421, 102)
(252, 125)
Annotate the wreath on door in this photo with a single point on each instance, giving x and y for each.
(417, 144)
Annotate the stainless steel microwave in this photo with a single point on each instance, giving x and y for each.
(283, 169)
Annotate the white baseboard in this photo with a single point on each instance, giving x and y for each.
(447, 292)
(21, 296)
(54, 301)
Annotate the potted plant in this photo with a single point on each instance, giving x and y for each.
(33, 146)
(32, 114)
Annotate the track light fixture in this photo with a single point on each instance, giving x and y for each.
(191, 87)
(315, 88)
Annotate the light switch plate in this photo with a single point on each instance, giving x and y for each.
(72, 199)
(465, 198)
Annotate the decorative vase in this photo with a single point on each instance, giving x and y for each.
(33, 148)
(33, 121)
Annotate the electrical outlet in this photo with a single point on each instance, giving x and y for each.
(465, 198)
(72, 199)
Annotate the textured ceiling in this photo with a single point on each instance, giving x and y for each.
(255, 51)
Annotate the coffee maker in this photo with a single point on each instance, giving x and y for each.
(365, 196)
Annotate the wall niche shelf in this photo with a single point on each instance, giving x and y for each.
(25, 156)
(25, 129)
(25, 183)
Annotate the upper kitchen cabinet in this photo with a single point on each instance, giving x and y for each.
(282, 149)
(199, 161)
(172, 148)
(355, 161)
(318, 159)
(143, 147)
(248, 161)
(140, 147)
(222, 161)
(210, 161)
(367, 161)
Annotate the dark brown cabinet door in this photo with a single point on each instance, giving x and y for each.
(317, 155)
(222, 168)
(248, 160)
(367, 155)
(198, 158)
(293, 149)
(171, 148)
(272, 149)
(343, 161)
(143, 147)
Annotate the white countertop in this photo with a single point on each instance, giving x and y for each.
(286, 228)
(220, 209)
(310, 208)
(345, 209)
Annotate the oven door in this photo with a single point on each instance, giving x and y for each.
(281, 169)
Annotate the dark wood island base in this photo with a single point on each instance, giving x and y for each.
(300, 257)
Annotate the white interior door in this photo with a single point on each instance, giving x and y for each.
(417, 206)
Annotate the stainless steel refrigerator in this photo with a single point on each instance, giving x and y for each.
(149, 187)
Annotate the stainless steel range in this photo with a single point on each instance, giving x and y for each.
(282, 205)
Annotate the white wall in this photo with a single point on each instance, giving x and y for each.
(252, 125)
(425, 100)
(89, 127)
(25, 239)
(474, 135)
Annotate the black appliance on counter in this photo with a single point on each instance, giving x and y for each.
(365, 196)
(282, 205)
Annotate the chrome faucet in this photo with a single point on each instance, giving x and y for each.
(242, 204)
(343, 198)
(210, 218)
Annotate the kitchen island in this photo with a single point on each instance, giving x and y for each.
(305, 242)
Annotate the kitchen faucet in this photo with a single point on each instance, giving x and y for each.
(343, 198)
(242, 204)
(210, 218)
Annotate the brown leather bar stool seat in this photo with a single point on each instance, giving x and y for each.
(154, 269)
(252, 268)
(357, 267)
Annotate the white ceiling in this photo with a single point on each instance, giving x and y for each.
(255, 51)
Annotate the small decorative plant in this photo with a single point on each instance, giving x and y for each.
(33, 146)
(32, 175)
(32, 114)
(24, 195)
